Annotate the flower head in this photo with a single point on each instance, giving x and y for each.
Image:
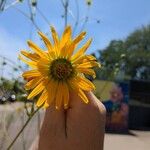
(57, 70)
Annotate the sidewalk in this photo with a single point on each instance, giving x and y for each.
(139, 141)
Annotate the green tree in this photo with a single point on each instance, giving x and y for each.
(130, 56)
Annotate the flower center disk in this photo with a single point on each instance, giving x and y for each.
(61, 69)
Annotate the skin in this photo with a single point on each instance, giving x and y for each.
(81, 127)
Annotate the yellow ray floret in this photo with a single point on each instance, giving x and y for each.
(57, 70)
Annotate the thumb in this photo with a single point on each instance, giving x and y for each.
(85, 114)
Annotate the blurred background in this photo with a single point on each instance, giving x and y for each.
(121, 42)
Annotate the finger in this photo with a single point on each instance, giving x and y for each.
(54, 120)
(52, 134)
(86, 122)
(80, 111)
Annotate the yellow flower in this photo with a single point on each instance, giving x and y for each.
(56, 71)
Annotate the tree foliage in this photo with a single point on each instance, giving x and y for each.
(130, 57)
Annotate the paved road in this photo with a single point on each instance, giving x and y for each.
(139, 141)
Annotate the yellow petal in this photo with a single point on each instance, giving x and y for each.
(37, 50)
(38, 89)
(52, 55)
(83, 59)
(59, 95)
(51, 88)
(81, 51)
(83, 96)
(56, 41)
(55, 36)
(46, 105)
(31, 73)
(85, 82)
(75, 42)
(73, 84)
(65, 95)
(31, 63)
(66, 36)
(42, 98)
(44, 70)
(31, 56)
(46, 41)
(44, 66)
(89, 65)
(90, 72)
(90, 57)
(32, 83)
(43, 61)
(64, 49)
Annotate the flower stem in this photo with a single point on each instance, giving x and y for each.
(30, 117)
(66, 11)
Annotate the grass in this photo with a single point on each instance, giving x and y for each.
(102, 89)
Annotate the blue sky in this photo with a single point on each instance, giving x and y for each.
(118, 18)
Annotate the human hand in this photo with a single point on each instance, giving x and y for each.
(81, 127)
